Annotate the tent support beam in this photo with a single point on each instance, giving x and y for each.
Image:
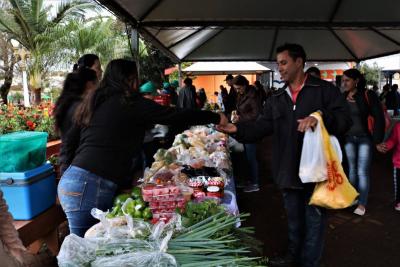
(385, 36)
(269, 24)
(148, 36)
(271, 52)
(334, 11)
(185, 38)
(345, 46)
(212, 37)
(156, 4)
(119, 11)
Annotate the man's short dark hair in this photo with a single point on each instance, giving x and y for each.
(229, 77)
(314, 70)
(295, 51)
(188, 81)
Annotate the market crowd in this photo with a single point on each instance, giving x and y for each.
(112, 123)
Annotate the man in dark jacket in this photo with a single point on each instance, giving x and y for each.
(286, 117)
(187, 95)
(231, 101)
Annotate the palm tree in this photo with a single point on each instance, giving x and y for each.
(100, 36)
(7, 68)
(34, 26)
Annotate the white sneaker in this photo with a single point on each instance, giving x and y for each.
(359, 211)
(397, 206)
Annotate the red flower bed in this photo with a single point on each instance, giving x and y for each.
(38, 118)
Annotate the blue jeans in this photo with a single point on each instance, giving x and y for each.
(79, 192)
(306, 226)
(250, 150)
(359, 153)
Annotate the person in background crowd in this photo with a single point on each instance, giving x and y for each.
(286, 117)
(150, 144)
(187, 95)
(261, 94)
(90, 61)
(85, 77)
(201, 98)
(166, 88)
(392, 100)
(359, 142)
(230, 104)
(224, 95)
(394, 143)
(248, 109)
(173, 92)
(385, 91)
(375, 89)
(110, 127)
(314, 71)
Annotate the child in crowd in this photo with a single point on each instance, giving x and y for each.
(394, 142)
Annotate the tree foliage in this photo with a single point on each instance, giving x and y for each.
(37, 29)
(371, 73)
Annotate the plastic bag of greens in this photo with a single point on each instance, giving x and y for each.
(137, 259)
(77, 252)
(138, 253)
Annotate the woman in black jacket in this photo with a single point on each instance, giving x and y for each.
(248, 109)
(84, 78)
(110, 126)
(359, 140)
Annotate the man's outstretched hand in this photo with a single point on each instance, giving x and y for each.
(229, 128)
(223, 119)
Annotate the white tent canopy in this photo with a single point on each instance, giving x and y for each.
(210, 30)
(227, 67)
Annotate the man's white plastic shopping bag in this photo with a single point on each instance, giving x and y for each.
(313, 160)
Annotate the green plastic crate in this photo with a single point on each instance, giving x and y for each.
(22, 151)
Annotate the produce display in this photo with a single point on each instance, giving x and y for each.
(176, 217)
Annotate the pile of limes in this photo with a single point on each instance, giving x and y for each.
(136, 208)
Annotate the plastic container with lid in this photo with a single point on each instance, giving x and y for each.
(22, 151)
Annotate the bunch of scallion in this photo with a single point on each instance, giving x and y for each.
(202, 245)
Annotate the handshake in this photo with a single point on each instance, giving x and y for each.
(224, 125)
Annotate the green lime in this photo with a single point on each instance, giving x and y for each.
(136, 192)
(120, 199)
(130, 207)
(137, 214)
(147, 213)
(140, 204)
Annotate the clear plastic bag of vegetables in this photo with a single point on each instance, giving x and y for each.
(77, 252)
(119, 227)
(135, 253)
(112, 251)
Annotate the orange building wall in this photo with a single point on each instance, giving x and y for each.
(211, 83)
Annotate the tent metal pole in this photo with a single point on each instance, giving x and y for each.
(180, 73)
(135, 47)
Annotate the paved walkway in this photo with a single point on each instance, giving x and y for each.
(351, 241)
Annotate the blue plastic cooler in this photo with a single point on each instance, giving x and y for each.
(29, 193)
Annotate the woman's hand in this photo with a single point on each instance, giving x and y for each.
(223, 119)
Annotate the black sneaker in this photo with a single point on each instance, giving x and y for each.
(286, 261)
(242, 184)
(251, 188)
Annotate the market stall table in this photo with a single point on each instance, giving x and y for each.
(42, 229)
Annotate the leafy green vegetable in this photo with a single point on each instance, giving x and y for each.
(196, 212)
